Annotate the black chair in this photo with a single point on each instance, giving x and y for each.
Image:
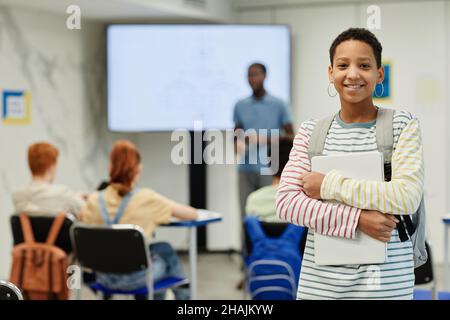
(117, 249)
(41, 226)
(8, 291)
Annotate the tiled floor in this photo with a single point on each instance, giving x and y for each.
(218, 275)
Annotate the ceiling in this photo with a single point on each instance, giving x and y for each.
(121, 9)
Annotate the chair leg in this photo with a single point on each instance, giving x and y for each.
(433, 292)
(244, 289)
(106, 296)
(77, 294)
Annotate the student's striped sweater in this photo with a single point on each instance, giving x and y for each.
(391, 280)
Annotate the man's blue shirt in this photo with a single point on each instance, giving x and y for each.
(268, 113)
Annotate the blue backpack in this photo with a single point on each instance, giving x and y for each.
(274, 263)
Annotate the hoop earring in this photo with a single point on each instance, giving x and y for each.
(329, 94)
(382, 91)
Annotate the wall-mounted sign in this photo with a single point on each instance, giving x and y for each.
(383, 92)
(16, 108)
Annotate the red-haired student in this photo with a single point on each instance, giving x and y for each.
(42, 196)
(143, 207)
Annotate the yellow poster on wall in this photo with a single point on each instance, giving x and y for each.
(16, 109)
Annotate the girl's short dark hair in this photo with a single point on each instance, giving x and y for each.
(359, 34)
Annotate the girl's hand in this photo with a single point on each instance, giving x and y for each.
(311, 182)
(377, 225)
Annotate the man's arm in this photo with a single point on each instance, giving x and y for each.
(288, 130)
(264, 139)
(239, 145)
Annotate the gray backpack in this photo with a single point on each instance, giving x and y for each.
(408, 227)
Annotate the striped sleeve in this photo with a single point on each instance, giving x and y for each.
(402, 195)
(294, 206)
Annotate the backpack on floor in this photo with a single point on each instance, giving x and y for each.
(273, 263)
(40, 269)
(409, 227)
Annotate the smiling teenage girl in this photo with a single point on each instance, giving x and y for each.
(369, 206)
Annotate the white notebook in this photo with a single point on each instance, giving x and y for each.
(363, 249)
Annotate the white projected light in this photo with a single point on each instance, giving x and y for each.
(166, 77)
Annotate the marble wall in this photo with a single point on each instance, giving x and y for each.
(64, 72)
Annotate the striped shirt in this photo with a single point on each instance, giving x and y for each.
(393, 279)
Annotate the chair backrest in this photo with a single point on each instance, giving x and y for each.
(110, 249)
(424, 274)
(41, 226)
(8, 291)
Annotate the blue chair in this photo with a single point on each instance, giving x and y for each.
(443, 295)
(422, 294)
(119, 249)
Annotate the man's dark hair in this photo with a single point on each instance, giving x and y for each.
(259, 65)
(284, 149)
(359, 34)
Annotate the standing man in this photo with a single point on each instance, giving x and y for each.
(259, 111)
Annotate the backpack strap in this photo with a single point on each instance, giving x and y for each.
(104, 212)
(318, 136)
(56, 228)
(254, 229)
(385, 144)
(293, 233)
(409, 224)
(27, 231)
(385, 133)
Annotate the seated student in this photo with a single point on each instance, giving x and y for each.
(145, 208)
(261, 202)
(42, 197)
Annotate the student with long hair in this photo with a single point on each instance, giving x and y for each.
(145, 208)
